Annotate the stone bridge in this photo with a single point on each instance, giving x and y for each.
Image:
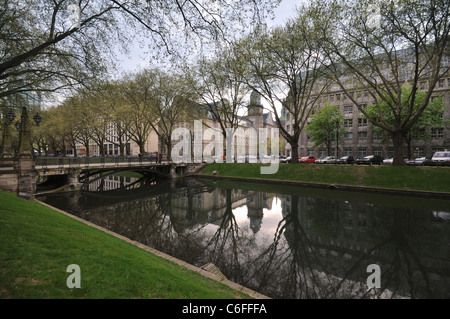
(17, 177)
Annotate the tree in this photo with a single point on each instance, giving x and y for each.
(159, 101)
(50, 45)
(173, 104)
(404, 41)
(220, 88)
(285, 67)
(119, 115)
(430, 118)
(325, 127)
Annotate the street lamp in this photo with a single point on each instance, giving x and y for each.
(37, 119)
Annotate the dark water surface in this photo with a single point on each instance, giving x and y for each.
(282, 241)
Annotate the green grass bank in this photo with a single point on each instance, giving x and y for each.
(37, 244)
(429, 179)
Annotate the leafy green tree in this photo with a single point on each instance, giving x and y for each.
(218, 83)
(50, 45)
(325, 127)
(431, 117)
(286, 68)
(402, 41)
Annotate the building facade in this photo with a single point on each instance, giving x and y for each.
(361, 139)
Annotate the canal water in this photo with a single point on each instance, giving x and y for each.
(282, 241)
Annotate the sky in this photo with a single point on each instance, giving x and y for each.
(139, 59)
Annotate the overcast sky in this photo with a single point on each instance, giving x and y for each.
(139, 59)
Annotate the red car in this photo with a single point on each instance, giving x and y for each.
(307, 159)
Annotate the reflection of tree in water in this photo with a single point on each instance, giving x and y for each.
(312, 258)
(321, 247)
(228, 247)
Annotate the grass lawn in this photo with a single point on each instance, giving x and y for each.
(37, 244)
(435, 179)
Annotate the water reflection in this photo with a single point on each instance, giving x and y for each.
(292, 243)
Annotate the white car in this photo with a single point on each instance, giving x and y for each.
(441, 158)
(326, 160)
(388, 161)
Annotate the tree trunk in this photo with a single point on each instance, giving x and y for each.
(294, 147)
(142, 148)
(169, 150)
(398, 139)
(122, 149)
(408, 140)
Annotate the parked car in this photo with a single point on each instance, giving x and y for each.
(389, 160)
(441, 158)
(326, 160)
(307, 159)
(371, 160)
(286, 160)
(346, 160)
(422, 161)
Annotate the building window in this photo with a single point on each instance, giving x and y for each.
(391, 152)
(441, 83)
(322, 153)
(348, 151)
(362, 136)
(362, 122)
(310, 152)
(437, 132)
(423, 85)
(348, 123)
(362, 152)
(421, 134)
(377, 151)
(376, 135)
(437, 149)
(348, 136)
(338, 97)
(348, 109)
(419, 152)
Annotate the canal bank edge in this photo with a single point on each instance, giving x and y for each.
(206, 272)
(375, 190)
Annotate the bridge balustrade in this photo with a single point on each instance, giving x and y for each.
(97, 161)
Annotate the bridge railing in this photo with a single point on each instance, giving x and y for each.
(112, 161)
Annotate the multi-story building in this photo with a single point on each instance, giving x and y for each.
(111, 145)
(361, 140)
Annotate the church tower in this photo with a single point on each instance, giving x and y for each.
(255, 110)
